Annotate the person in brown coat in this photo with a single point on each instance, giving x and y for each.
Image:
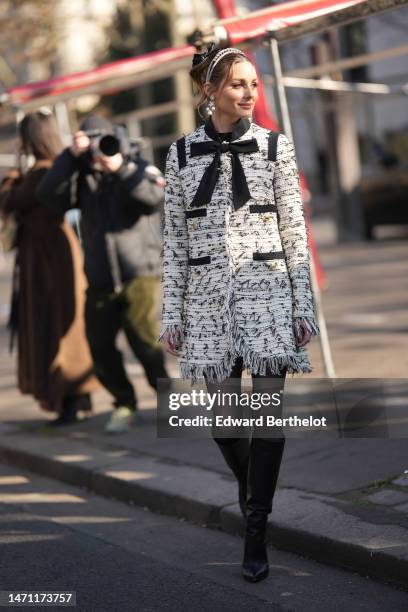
(54, 360)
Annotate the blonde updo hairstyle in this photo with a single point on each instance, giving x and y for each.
(220, 74)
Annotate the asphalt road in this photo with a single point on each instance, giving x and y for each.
(120, 558)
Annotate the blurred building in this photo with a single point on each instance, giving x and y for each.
(380, 119)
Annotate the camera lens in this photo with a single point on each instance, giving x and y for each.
(109, 145)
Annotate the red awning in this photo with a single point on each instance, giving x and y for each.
(291, 20)
(117, 75)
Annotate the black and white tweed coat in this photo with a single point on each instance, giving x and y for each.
(236, 282)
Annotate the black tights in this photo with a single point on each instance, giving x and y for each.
(260, 382)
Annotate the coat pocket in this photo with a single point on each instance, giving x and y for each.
(206, 277)
(193, 213)
(263, 208)
(266, 256)
(199, 261)
(274, 261)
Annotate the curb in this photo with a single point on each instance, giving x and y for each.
(303, 523)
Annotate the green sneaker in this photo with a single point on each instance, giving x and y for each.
(121, 420)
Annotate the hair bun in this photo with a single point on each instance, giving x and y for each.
(198, 58)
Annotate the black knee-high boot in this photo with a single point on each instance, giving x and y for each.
(236, 454)
(264, 464)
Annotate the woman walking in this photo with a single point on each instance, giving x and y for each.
(236, 269)
(54, 361)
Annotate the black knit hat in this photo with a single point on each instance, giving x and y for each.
(94, 122)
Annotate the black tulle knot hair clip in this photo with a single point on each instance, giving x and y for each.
(201, 57)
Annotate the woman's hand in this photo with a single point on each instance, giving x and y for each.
(303, 335)
(168, 346)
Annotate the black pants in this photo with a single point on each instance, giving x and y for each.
(134, 312)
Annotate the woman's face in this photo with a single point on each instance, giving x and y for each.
(239, 94)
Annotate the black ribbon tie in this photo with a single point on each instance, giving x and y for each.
(240, 191)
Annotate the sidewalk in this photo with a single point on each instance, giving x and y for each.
(342, 502)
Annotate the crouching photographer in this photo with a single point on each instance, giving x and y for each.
(120, 196)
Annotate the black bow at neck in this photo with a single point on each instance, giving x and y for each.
(240, 191)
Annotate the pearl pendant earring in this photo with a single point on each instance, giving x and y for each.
(210, 105)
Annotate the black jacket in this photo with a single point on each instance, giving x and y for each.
(120, 216)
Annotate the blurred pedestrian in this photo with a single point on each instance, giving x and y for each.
(120, 196)
(54, 360)
(236, 269)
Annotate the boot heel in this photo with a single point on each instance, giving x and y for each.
(255, 566)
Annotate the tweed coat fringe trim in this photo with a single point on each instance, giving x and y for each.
(253, 361)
